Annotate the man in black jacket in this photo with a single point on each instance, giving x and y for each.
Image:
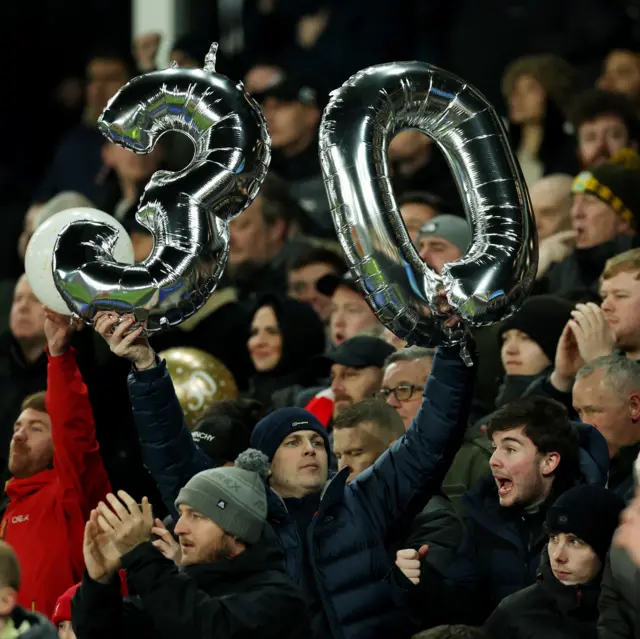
(231, 582)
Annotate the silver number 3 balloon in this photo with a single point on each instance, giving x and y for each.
(187, 211)
(497, 272)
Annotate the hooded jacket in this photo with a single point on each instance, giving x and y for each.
(303, 338)
(501, 550)
(548, 610)
(248, 595)
(45, 519)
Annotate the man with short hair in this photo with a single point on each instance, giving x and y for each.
(606, 394)
(361, 433)
(231, 581)
(536, 458)
(620, 293)
(604, 123)
(405, 372)
(444, 239)
(57, 476)
(315, 521)
(350, 312)
(306, 269)
(16, 621)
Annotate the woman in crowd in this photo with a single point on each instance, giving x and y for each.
(538, 90)
(285, 336)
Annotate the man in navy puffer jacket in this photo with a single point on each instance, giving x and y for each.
(333, 533)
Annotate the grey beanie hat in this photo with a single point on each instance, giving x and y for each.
(452, 228)
(234, 497)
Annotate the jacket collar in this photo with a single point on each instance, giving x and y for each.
(483, 506)
(332, 493)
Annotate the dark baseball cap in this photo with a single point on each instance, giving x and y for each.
(328, 284)
(293, 89)
(358, 352)
(221, 438)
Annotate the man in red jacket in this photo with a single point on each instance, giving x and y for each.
(57, 476)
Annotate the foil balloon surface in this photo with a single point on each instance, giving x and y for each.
(492, 279)
(200, 380)
(187, 211)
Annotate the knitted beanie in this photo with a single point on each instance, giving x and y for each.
(233, 497)
(589, 512)
(542, 318)
(269, 432)
(615, 184)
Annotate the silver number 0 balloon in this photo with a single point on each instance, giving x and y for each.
(186, 211)
(495, 275)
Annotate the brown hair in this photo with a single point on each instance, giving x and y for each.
(373, 411)
(626, 262)
(9, 567)
(555, 75)
(35, 401)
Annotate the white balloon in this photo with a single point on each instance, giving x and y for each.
(39, 255)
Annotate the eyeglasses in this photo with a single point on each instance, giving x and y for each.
(402, 392)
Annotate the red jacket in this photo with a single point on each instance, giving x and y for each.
(45, 519)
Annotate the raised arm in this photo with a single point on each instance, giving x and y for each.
(417, 463)
(76, 454)
(168, 450)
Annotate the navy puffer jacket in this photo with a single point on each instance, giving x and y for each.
(363, 594)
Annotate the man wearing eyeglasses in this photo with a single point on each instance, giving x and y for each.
(404, 376)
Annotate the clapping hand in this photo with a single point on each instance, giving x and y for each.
(126, 524)
(568, 360)
(166, 543)
(101, 558)
(593, 334)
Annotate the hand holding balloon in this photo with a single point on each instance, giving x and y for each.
(125, 338)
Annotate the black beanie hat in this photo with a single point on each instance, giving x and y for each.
(542, 318)
(270, 431)
(589, 512)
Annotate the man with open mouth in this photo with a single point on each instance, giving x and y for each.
(538, 455)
